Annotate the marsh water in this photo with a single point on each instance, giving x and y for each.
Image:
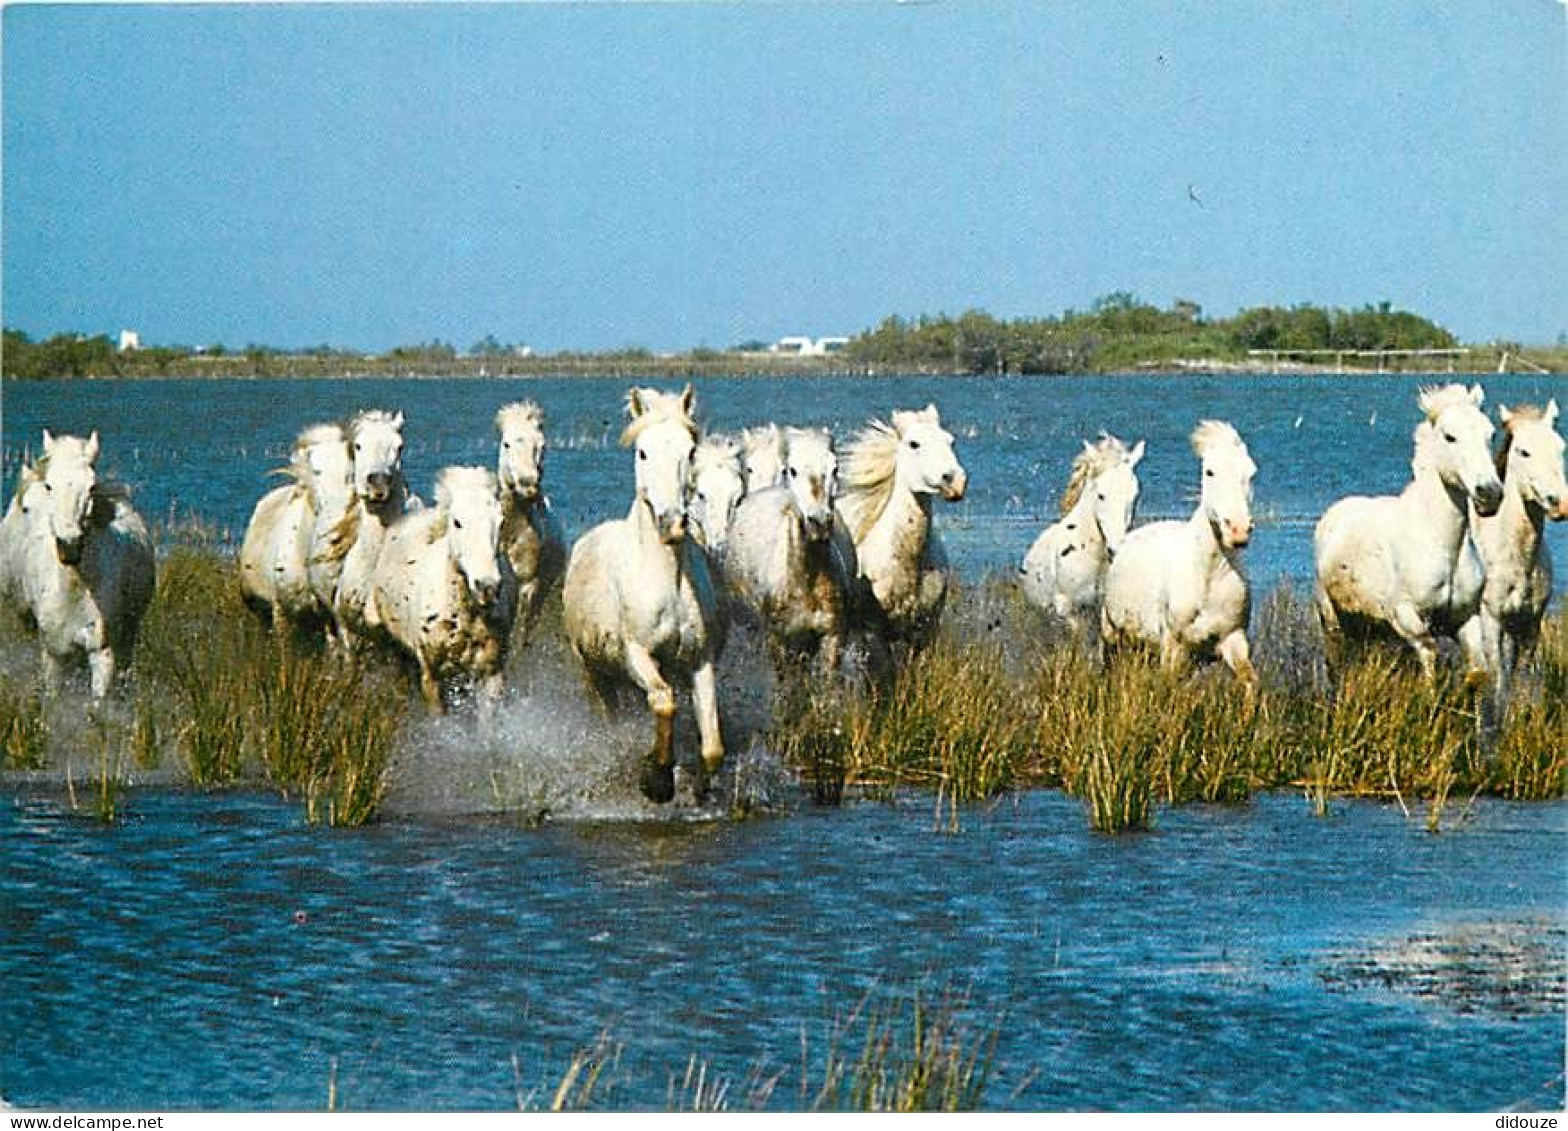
(215, 951)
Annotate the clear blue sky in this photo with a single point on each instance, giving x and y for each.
(668, 176)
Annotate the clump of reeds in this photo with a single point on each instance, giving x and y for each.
(24, 728)
(983, 710)
(237, 697)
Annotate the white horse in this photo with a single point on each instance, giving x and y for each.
(891, 473)
(445, 592)
(381, 497)
(1179, 586)
(531, 536)
(86, 565)
(1404, 563)
(13, 537)
(718, 484)
(790, 562)
(762, 456)
(1518, 563)
(640, 603)
(274, 557)
(1064, 571)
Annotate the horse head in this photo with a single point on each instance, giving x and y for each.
(1532, 457)
(762, 457)
(665, 437)
(68, 477)
(1456, 438)
(1115, 490)
(377, 441)
(521, 466)
(717, 484)
(1228, 471)
(926, 462)
(468, 498)
(811, 477)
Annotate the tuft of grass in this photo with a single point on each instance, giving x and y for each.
(238, 698)
(24, 728)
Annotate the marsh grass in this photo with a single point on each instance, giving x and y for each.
(236, 698)
(24, 728)
(995, 703)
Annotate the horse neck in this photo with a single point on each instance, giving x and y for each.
(1442, 510)
(1210, 549)
(1520, 525)
(656, 552)
(905, 522)
(1080, 516)
(516, 511)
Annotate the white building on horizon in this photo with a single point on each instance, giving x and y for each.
(799, 345)
(130, 340)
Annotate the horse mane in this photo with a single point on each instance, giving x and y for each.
(1516, 414)
(1436, 399)
(1211, 434)
(342, 536)
(314, 436)
(1088, 465)
(761, 436)
(656, 408)
(449, 481)
(715, 451)
(870, 467)
(816, 435)
(522, 414)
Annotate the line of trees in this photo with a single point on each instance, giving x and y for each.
(1121, 331)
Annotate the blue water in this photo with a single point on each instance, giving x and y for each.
(214, 951)
(206, 446)
(211, 952)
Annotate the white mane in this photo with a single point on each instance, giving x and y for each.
(870, 468)
(716, 451)
(648, 407)
(1212, 434)
(520, 414)
(1089, 464)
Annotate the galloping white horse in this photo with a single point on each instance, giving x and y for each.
(640, 602)
(381, 496)
(762, 460)
(13, 537)
(1518, 563)
(274, 558)
(891, 473)
(1064, 571)
(1179, 586)
(531, 536)
(86, 566)
(445, 592)
(718, 483)
(790, 562)
(1404, 563)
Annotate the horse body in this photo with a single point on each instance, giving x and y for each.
(443, 590)
(1404, 564)
(86, 565)
(531, 536)
(1179, 586)
(274, 560)
(381, 497)
(790, 562)
(639, 600)
(1064, 571)
(1517, 562)
(13, 537)
(891, 474)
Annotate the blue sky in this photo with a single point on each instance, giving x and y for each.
(673, 175)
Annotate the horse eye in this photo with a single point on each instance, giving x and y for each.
(914, 445)
(702, 496)
(1209, 472)
(641, 454)
(506, 443)
(457, 524)
(1523, 454)
(358, 447)
(48, 486)
(1102, 496)
(1448, 436)
(792, 473)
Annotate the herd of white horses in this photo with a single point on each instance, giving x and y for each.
(768, 525)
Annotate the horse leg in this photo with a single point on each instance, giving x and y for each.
(1237, 655)
(52, 672)
(705, 697)
(1333, 634)
(1412, 629)
(100, 664)
(489, 696)
(430, 689)
(658, 768)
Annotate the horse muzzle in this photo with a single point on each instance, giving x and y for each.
(378, 487)
(1236, 535)
(1488, 497)
(1558, 512)
(954, 484)
(68, 550)
(485, 590)
(819, 527)
(672, 528)
(525, 489)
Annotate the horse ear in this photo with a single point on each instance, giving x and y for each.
(1135, 455)
(397, 421)
(1088, 448)
(1477, 395)
(688, 398)
(634, 405)
(48, 442)
(1550, 415)
(931, 413)
(92, 446)
(1504, 413)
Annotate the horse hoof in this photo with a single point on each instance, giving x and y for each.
(658, 782)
